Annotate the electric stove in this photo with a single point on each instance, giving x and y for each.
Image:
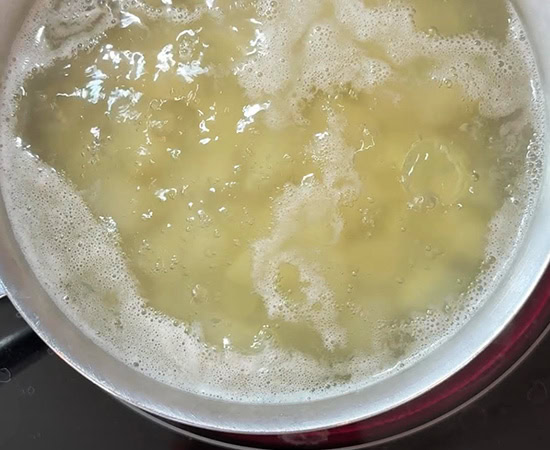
(46, 405)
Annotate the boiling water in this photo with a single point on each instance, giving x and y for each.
(270, 200)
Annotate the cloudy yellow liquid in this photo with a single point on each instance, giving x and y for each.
(309, 220)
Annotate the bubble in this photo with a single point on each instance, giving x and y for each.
(5, 375)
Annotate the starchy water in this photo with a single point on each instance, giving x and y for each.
(270, 200)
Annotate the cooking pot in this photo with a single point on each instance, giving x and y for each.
(427, 374)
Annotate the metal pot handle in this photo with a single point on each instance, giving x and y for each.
(19, 344)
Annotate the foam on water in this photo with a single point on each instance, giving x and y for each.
(317, 200)
(81, 266)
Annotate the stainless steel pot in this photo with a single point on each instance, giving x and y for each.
(66, 339)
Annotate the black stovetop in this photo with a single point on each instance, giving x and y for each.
(46, 405)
